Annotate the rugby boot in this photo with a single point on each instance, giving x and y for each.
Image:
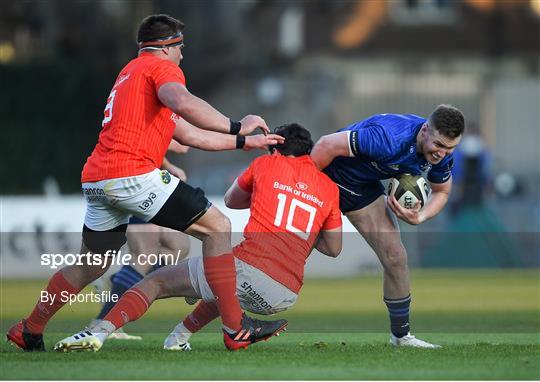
(252, 331)
(84, 340)
(20, 337)
(178, 339)
(411, 341)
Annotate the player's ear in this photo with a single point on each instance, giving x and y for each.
(425, 129)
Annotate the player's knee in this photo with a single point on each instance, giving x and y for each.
(155, 285)
(223, 224)
(219, 224)
(395, 258)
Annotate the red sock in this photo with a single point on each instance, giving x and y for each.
(220, 273)
(201, 316)
(131, 306)
(44, 310)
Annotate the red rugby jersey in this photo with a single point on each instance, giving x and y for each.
(291, 202)
(137, 127)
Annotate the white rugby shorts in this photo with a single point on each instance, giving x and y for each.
(257, 292)
(111, 202)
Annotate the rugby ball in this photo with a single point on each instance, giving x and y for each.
(409, 189)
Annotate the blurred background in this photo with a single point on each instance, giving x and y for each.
(322, 63)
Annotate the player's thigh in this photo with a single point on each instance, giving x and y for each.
(143, 238)
(379, 227)
(174, 242)
(104, 228)
(257, 292)
(184, 207)
(100, 215)
(212, 223)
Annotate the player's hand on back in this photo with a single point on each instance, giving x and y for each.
(412, 216)
(178, 172)
(252, 122)
(261, 141)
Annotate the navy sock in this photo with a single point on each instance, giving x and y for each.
(398, 309)
(122, 280)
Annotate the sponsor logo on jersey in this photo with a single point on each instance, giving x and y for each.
(378, 168)
(300, 192)
(165, 177)
(122, 79)
(426, 166)
(301, 186)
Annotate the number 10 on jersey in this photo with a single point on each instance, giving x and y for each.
(290, 224)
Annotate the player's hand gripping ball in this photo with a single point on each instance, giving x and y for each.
(409, 189)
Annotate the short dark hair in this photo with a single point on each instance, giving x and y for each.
(298, 140)
(156, 27)
(448, 120)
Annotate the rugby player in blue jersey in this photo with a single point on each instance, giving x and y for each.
(359, 156)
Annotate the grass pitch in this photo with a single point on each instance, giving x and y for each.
(487, 321)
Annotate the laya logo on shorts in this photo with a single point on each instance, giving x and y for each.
(165, 177)
(301, 186)
(148, 202)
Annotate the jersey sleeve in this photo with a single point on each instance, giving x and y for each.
(371, 141)
(441, 172)
(245, 180)
(333, 220)
(165, 72)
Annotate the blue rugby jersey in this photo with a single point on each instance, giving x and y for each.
(384, 146)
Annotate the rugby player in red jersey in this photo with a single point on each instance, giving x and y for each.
(293, 208)
(148, 106)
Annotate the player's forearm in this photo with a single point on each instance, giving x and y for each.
(329, 246)
(434, 205)
(177, 147)
(207, 140)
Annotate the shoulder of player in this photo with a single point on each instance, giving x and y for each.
(262, 159)
(153, 63)
(259, 165)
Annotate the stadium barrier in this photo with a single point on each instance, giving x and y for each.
(34, 225)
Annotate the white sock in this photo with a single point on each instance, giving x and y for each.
(102, 329)
(181, 332)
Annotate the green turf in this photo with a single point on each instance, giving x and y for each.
(291, 356)
(487, 321)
